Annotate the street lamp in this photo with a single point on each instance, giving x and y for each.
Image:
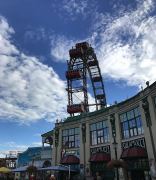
(69, 172)
(115, 144)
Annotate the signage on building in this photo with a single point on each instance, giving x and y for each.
(105, 149)
(70, 152)
(134, 143)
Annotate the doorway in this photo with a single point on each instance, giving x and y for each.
(137, 175)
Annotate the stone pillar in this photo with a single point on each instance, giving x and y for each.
(146, 133)
(111, 139)
(87, 149)
(118, 135)
(53, 152)
(122, 171)
(152, 111)
(59, 148)
(81, 147)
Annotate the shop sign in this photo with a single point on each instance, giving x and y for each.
(105, 149)
(134, 143)
(70, 152)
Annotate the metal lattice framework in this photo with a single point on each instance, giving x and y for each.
(82, 64)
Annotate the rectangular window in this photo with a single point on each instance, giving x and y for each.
(125, 129)
(71, 138)
(131, 123)
(99, 133)
(94, 138)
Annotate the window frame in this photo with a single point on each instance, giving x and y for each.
(97, 133)
(72, 137)
(133, 129)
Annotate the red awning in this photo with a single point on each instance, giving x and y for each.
(70, 159)
(100, 157)
(134, 152)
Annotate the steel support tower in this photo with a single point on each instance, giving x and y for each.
(83, 64)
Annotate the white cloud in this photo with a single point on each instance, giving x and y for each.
(126, 47)
(5, 45)
(11, 147)
(36, 144)
(60, 46)
(5, 153)
(29, 90)
(74, 7)
(38, 34)
(72, 10)
(37, 134)
(14, 148)
(124, 44)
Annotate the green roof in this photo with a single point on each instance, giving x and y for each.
(89, 114)
(84, 115)
(49, 133)
(74, 118)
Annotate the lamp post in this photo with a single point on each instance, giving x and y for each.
(69, 172)
(115, 144)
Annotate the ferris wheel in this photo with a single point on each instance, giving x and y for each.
(83, 66)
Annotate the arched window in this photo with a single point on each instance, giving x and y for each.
(46, 164)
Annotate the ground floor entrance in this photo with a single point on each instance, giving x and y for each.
(134, 154)
(137, 175)
(138, 169)
(101, 168)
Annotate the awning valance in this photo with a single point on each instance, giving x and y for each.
(58, 168)
(134, 152)
(100, 157)
(20, 169)
(70, 159)
(4, 170)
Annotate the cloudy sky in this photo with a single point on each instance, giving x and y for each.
(35, 37)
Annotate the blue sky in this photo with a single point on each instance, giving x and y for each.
(35, 37)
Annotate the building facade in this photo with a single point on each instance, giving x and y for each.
(9, 160)
(37, 156)
(118, 140)
(40, 157)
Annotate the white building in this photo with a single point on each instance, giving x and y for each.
(125, 131)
